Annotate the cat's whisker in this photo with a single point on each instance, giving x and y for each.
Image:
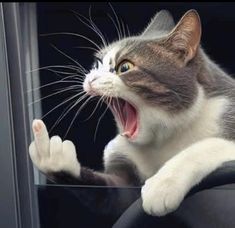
(60, 72)
(75, 116)
(91, 25)
(91, 29)
(90, 48)
(50, 95)
(80, 67)
(118, 33)
(77, 68)
(52, 83)
(97, 126)
(67, 110)
(57, 106)
(79, 77)
(110, 100)
(57, 121)
(119, 108)
(97, 104)
(75, 78)
(78, 81)
(128, 30)
(54, 66)
(73, 34)
(73, 70)
(72, 87)
(123, 29)
(97, 29)
(117, 20)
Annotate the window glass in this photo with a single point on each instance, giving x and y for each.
(64, 40)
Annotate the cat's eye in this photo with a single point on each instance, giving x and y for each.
(124, 67)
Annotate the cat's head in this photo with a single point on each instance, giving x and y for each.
(151, 79)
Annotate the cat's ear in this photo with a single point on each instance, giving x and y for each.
(185, 38)
(161, 23)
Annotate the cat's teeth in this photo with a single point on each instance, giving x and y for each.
(126, 134)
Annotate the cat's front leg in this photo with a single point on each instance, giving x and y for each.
(57, 159)
(52, 155)
(164, 192)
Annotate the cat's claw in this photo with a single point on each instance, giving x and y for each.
(52, 155)
(162, 195)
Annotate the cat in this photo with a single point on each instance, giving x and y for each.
(174, 109)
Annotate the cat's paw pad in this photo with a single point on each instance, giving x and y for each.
(161, 196)
(52, 155)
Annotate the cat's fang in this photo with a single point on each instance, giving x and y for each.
(126, 134)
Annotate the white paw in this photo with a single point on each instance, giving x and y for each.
(162, 195)
(52, 155)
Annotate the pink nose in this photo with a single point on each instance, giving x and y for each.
(88, 86)
(90, 80)
(93, 79)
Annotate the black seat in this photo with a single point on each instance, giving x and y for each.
(210, 204)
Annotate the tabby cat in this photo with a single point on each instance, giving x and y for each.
(174, 109)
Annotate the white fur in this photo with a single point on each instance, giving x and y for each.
(166, 138)
(163, 192)
(52, 155)
(98, 81)
(110, 57)
(173, 152)
(186, 140)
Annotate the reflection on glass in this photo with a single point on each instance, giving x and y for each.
(85, 206)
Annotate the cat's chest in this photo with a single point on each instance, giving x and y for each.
(151, 158)
(147, 159)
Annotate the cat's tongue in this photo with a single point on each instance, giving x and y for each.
(130, 120)
(127, 115)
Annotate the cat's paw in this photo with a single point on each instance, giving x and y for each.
(52, 155)
(162, 195)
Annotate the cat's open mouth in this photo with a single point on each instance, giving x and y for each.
(127, 115)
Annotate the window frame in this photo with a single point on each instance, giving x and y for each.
(19, 206)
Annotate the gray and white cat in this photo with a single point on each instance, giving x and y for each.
(174, 109)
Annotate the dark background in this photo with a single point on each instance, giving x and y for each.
(218, 26)
(74, 207)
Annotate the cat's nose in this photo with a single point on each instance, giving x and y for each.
(88, 83)
(92, 78)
